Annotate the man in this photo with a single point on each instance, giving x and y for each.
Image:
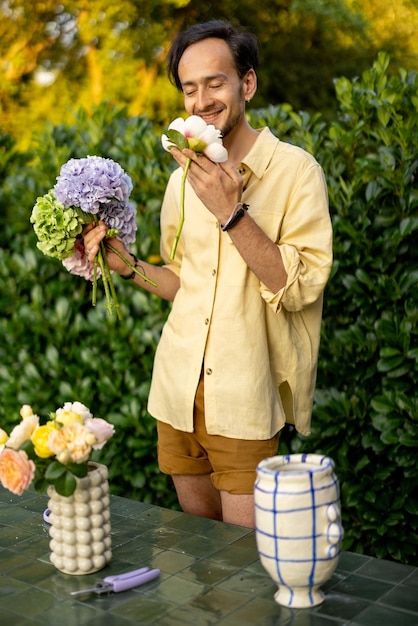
(238, 353)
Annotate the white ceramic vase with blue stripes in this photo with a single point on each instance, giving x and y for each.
(298, 525)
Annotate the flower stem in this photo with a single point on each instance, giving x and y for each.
(110, 292)
(111, 297)
(94, 292)
(129, 264)
(181, 221)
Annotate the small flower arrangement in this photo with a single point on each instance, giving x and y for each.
(87, 190)
(53, 453)
(195, 134)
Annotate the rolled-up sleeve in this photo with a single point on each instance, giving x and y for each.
(305, 242)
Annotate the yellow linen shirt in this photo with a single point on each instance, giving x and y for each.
(259, 348)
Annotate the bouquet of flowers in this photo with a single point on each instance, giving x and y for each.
(87, 190)
(195, 134)
(53, 453)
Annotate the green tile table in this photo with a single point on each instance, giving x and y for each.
(210, 574)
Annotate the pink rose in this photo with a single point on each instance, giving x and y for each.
(79, 264)
(16, 470)
(101, 429)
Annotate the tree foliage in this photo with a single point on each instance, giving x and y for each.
(56, 57)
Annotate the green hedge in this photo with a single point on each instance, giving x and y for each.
(57, 348)
(366, 410)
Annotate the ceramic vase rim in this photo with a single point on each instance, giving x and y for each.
(296, 464)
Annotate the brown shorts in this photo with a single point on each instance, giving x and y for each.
(231, 463)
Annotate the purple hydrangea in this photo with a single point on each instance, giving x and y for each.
(100, 187)
(122, 217)
(90, 182)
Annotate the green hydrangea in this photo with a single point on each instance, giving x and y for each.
(55, 226)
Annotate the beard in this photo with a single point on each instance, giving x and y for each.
(231, 124)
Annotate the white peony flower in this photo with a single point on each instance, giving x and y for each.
(199, 136)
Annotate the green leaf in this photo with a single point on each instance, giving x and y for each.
(382, 404)
(29, 448)
(54, 471)
(411, 506)
(362, 463)
(65, 485)
(78, 469)
(410, 440)
(391, 363)
(177, 138)
(39, 483)
(389, 352)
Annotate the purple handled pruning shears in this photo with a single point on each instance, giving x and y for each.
(121, 582)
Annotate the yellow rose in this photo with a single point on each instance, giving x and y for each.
(3, 436)
(40, 440)
(68, 417)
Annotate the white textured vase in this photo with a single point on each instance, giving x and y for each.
(298, 525)
(80, 524)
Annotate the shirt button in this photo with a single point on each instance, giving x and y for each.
(213, 272)
(207, 321)
(208, 371)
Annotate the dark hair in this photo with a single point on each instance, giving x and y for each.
(243, 46)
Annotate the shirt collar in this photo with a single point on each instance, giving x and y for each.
(261, 153)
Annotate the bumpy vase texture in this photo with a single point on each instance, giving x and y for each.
(298, 525)
(80, 524)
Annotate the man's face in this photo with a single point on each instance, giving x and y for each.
(211, 86)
